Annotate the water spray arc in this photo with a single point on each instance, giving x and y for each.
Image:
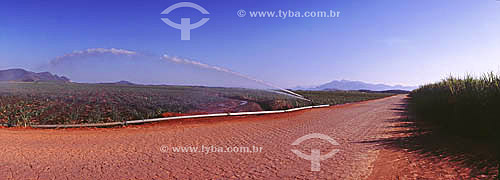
(72, 64)
(216, 68)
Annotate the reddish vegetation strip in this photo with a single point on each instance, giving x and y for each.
(135, 151)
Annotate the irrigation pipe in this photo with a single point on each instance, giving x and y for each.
(173, 118)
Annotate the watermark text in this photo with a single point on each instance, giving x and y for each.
(206, 149)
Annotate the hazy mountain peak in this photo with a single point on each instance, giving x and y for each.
(359, 85)
(21, 75)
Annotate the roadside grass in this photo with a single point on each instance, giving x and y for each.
(464, 110)
(467, 106)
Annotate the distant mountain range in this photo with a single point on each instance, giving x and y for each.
(120, 83)
(356, 85)
(21, 75)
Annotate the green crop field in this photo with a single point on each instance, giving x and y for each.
(24, 104)
(340, 97)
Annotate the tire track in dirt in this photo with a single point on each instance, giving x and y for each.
(134, 152)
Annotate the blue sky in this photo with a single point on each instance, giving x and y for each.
(387, 41)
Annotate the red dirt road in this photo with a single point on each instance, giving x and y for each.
(135, 152)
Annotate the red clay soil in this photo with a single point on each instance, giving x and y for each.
(135, 152)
